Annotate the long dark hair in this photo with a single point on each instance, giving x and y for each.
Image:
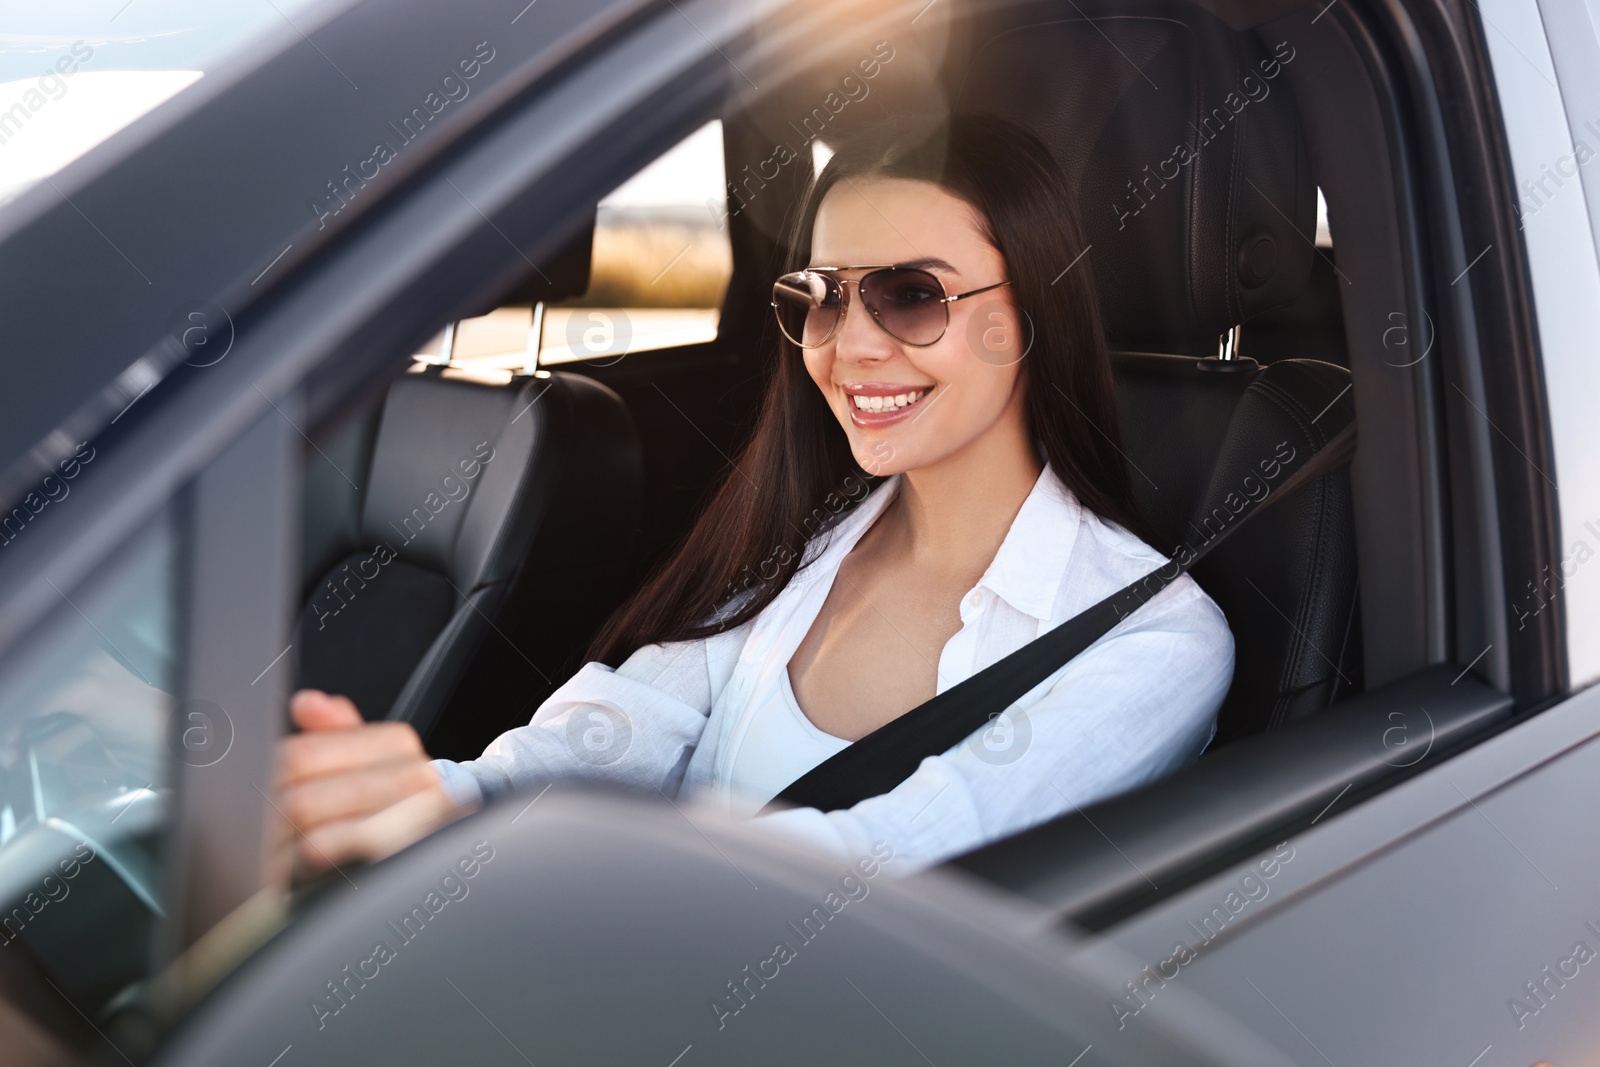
(797, 474)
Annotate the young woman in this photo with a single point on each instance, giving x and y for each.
(938, 332)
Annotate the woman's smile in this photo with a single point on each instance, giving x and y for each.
(881, 388)
(877, 404)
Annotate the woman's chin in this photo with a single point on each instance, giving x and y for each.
(880, 458)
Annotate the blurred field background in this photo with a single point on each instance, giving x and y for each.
(664, 257)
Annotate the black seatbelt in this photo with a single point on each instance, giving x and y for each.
(888, 756)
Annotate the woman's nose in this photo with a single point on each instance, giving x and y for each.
(860, 338)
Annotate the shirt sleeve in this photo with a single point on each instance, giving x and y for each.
(1137, 703)
(637, 724)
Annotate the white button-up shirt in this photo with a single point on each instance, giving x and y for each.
(676, 717)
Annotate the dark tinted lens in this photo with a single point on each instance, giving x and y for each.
(908, 303)
(807, 305)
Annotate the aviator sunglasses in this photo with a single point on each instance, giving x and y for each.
(908, 303)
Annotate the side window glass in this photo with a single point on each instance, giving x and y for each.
(86, 707)
(661, 263)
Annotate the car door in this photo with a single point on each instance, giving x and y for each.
(1453, 919)
(1449, 919)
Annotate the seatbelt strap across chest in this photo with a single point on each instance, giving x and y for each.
(886, 757)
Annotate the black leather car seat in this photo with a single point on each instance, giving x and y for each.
(1183, 254)
(428, 517)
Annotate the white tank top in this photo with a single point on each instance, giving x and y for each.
(779, 746)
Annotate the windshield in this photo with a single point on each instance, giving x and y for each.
(74, 73)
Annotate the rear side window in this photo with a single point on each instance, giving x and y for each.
(661, 264)
(662, 260)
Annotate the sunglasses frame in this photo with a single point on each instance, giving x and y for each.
(844, 300)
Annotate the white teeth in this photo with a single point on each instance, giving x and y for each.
(887, 403)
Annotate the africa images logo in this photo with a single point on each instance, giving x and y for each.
(851, 887)
(453, 88)
(51, 85)
(1251, 889)
(852, 89)
(451, 887)
(1212, 125)
(345, 583)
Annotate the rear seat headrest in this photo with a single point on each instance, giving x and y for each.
(1181, 138)
(561, 275)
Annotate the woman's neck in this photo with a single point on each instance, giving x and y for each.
(952, 516)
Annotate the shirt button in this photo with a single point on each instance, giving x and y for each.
(975, 598)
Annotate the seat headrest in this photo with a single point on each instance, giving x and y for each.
(561, 275)
(565, 275)
(1182, 142)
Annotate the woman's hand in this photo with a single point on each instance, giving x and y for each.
(353, 790)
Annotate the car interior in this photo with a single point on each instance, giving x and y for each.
(1183, 278)
(527, 460)
(550, 502)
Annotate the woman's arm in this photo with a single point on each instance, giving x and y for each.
(350, 790)
(636, 725)
(1136, 704)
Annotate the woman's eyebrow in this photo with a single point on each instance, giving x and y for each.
(926, 262)
(914, 264)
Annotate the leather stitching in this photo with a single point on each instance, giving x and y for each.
(1313, 575)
